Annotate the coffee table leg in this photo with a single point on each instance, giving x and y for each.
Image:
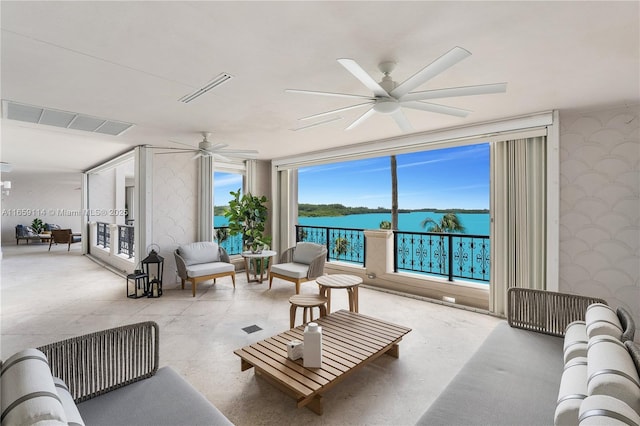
(316, 405)
(246, 268)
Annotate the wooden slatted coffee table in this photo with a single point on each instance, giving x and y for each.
(350, 341)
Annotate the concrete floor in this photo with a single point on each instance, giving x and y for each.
(48, 296)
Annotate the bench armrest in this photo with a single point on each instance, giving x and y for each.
(96, 363)
(546, 312)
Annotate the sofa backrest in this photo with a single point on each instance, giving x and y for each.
(199, 252)
(306, 252)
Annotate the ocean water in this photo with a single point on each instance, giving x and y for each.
(474, 223)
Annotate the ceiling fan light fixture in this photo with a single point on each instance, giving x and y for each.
(386, 106)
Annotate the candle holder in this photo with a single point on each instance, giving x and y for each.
(137, 284)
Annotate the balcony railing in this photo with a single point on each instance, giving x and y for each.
(449, 255)
(343, 244)
(104, 236)
(231, 243)
(125, 240)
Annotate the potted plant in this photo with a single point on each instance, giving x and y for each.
(37, 225)
(247, 215)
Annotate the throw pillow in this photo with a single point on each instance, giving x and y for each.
(599, 410)
(602, 320)
(611, 371)
(28, 393)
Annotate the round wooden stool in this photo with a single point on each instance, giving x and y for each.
(307, 302)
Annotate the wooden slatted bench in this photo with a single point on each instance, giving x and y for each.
(350, 341)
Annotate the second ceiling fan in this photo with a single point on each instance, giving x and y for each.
(389, 97)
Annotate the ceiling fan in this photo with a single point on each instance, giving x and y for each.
(218, 151)
(390, 97)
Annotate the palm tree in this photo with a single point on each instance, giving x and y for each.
(394, 193)
(449, 223)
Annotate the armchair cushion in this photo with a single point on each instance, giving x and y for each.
(202, 269)
(293, 270)
(307, 252)
(199, 252)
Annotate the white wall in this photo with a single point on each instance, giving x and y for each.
(600, 205)
(52, 197)
(175, 206)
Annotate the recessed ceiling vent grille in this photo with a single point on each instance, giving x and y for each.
(217, 81)
(68, 120)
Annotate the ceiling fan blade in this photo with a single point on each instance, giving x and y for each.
(482, 89)
(357, 71)
(218, 157)
(339, 95)
(246, 153)
(322, 114)
(445, 61)
(217, 146)
(362, 118)
(402, 121)
(319, 123)
(440, 109)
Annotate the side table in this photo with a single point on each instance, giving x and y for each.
(348, 282)
(252, 259)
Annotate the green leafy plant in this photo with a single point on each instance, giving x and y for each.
(341, 246)
(247, 216)
(385, 224)
(37, 225)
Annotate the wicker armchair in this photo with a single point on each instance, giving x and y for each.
(304, 262)
(203, 261)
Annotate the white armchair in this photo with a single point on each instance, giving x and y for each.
(203, 261)
(301, 263)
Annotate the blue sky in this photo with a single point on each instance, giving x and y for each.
(442, 178)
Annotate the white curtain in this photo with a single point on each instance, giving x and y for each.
(518, 228)
(205, 199)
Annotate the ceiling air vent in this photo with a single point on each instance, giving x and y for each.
(217, 81)
(68, 120)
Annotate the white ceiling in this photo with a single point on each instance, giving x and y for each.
(132, 61)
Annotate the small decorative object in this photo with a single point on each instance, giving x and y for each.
(153, 266)
(140, 282)
(312, 350)
(295, 349)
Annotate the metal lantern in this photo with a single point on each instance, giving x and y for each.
(153, 265)
(137, 284)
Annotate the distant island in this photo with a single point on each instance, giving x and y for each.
(333, 210)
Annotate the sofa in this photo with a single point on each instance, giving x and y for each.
(203, 261)
(26, 233)
(531, 371)
(109, 377)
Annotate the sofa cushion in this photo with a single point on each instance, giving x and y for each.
(495, 387)
(163, 399)
(202, 269)
(199, 252)
(573, 389)
(293, 270)
(575, 341)
(29, 395)
(598, 410)
(602, 320)
(306, 252)
(611, 371)
(70, 409)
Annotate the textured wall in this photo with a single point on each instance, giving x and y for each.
(600, 206)
(54, 199)
(175, 205)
